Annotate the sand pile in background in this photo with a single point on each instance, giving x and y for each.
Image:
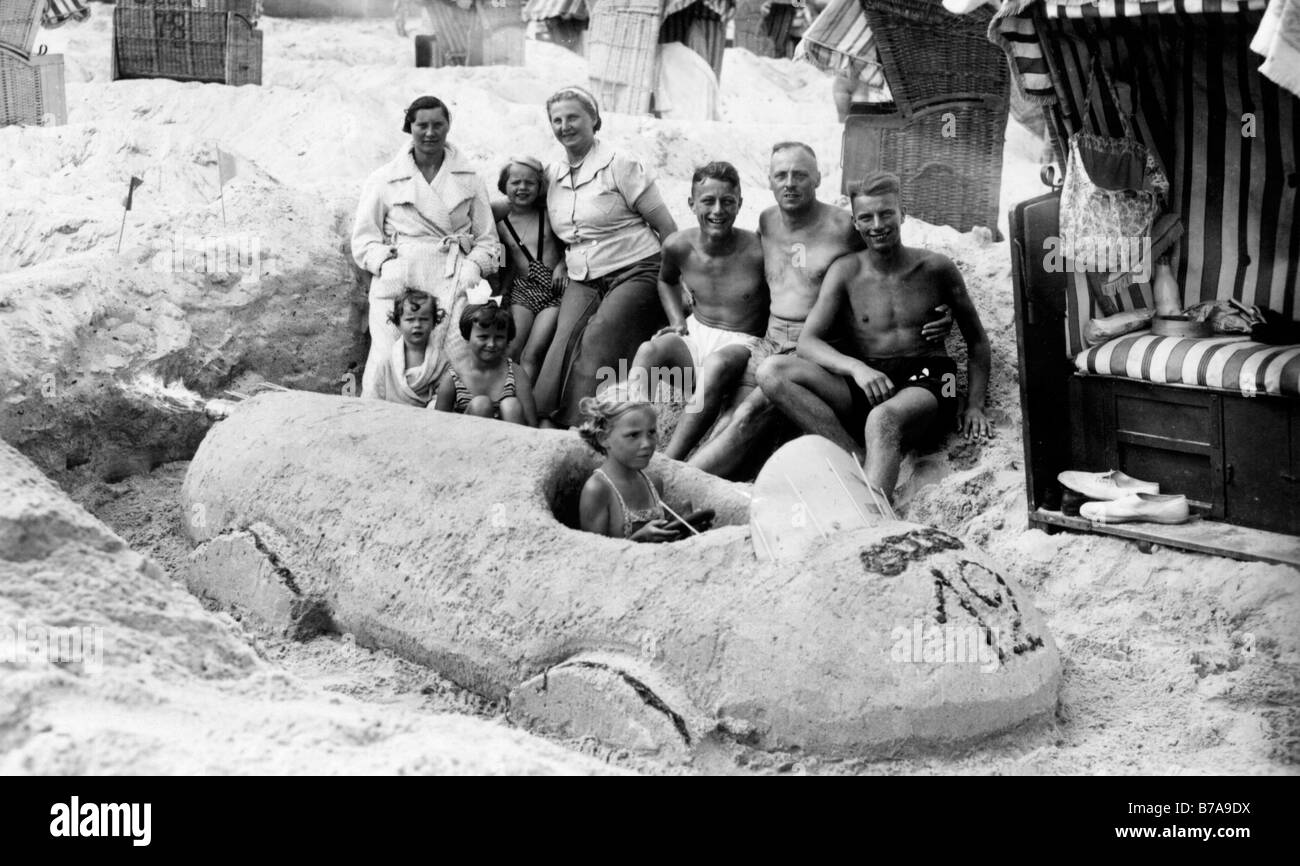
(1173, 662)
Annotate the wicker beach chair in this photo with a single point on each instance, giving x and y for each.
(943, 134)
(700, 26)
(452, 26)
(766, 35)
(622, 47)
(499, 32)
(932, 56)
(566, 21)
(151, 40)
(32, 91)
(19, 20)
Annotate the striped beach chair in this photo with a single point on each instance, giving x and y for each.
(700, 25)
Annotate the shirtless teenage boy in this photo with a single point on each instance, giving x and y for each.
(800, 238)
(889, 383)
(723, 268)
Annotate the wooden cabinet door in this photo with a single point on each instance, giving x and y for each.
(1261, 462)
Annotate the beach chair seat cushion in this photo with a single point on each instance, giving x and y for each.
(1234, 364)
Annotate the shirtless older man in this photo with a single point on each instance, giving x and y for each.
(801, 237)
(885, 380)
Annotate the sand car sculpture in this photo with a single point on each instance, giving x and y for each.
(450, 541)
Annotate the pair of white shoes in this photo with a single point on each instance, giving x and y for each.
(1124, 499)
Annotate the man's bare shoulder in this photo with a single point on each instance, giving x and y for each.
(681, 242)
(834, 218)
(847, 266)
(748, 243)
(932, 261)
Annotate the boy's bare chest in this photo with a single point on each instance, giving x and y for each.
(882, 301)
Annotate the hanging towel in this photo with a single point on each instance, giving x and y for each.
(1278, 39)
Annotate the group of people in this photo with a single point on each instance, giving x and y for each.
(822, 320)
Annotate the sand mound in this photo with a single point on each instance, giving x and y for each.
(106, 666)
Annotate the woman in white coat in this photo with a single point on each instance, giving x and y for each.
(423, 221)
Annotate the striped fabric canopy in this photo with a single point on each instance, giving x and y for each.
(60, 12)
(1134, 8)
(1014, 31)
(720, 7)
(540, 10)
(839, 38)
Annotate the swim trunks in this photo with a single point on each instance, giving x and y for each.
(935, 373)
(703, 340)
(782, 338)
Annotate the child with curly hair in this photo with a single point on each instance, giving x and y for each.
(414, 364)
(491, 385)
(619, 500)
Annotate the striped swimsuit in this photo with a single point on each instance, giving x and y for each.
(463, 395)
(634, 520)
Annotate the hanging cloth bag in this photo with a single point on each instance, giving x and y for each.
(1114, 188)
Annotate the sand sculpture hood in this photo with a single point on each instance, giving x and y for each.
(437, 536)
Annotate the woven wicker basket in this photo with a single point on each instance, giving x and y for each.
(622, 50)
(32, 91)
(950, 166)
(932, 56)
(499, 33)
(19, 20)
(216, 47)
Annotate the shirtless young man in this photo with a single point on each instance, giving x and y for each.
(723, 268)
(890, 383)
(800, 238)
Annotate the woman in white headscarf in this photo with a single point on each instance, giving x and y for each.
(606, 208)
(423, 222)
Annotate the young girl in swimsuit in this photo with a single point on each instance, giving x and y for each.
(492, 385)
(619, 499)
(533, 252)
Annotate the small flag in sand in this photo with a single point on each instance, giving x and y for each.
(226, 167)
(130, 192)
(126, 206)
